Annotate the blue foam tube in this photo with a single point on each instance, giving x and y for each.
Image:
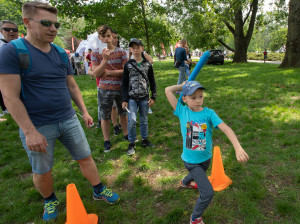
(198, 67)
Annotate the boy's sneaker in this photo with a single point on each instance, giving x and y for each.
(107, 146)
(146, 143)
(150, 111)
(117, 130)
(197, 220)
(131, 150)
(191, 185)
(107, 195)
(126, 137)
(5, 112)
(50, 210)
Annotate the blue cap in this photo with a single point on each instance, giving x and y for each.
(190, 87)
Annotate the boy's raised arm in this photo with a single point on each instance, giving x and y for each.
(170, 91)
(240, 153)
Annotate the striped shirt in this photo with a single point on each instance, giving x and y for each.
(116, 59)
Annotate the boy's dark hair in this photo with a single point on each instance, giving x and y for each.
(103, 29)
(29, 9)
(183, 41)
(114, 32)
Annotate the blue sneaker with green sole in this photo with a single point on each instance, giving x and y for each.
(50, 210)
(107, 195)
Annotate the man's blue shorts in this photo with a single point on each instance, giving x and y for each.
(69, 132)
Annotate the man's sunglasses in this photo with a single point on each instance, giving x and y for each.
(7, 29)
(47, 23)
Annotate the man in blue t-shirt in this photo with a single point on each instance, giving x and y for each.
(44, 111)
(180, 54)
(197, 124)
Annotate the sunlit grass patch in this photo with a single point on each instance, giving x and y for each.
(258, 101)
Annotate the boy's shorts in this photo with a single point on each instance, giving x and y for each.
(77, 65)
(69, 132)
(106, 102)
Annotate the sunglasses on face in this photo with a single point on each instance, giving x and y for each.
(10, 29)
(47, 23)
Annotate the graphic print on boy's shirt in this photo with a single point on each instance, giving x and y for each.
(196, 135)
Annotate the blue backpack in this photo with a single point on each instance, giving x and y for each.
(25, 58)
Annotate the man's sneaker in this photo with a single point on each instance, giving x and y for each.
(197, 221)
(131, 150)
(117, 130)
(50, 210)
(146, 143)
(107, 146)
(99, 124)
(191, 185)
(150, 111)
(107, 195)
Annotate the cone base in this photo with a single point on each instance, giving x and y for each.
(93, 218)
(220, 186)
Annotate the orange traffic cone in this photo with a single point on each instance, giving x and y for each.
(218, 179)
(76, 213)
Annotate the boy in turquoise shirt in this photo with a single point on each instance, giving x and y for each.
(196, 124)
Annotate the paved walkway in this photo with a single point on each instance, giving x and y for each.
(197, 58)
(269, 62)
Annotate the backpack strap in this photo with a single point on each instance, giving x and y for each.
(4, 41)
(138, 70)
(24, 59)
(63, 54)
(23, 54)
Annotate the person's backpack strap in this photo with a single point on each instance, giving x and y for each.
(63, 54)
(24, 59)
(4, 41)
(136, 68)
(23, 54)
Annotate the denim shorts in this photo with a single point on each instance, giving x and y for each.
(69, 132)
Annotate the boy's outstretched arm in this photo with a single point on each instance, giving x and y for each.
(240, 153)
(170, 91)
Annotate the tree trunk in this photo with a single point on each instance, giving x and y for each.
(240, 54)
(241, 41)
(292, 54)
(146, 27)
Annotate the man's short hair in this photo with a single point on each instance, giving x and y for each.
(29, 9)
(7, 21)
(103, 29)
(183, 41)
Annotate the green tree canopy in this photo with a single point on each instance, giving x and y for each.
(130, 18)
(206, 23)
(12, 10)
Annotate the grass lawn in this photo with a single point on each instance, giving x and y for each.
(260, 102)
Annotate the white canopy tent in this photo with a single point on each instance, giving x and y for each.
(81, 48)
